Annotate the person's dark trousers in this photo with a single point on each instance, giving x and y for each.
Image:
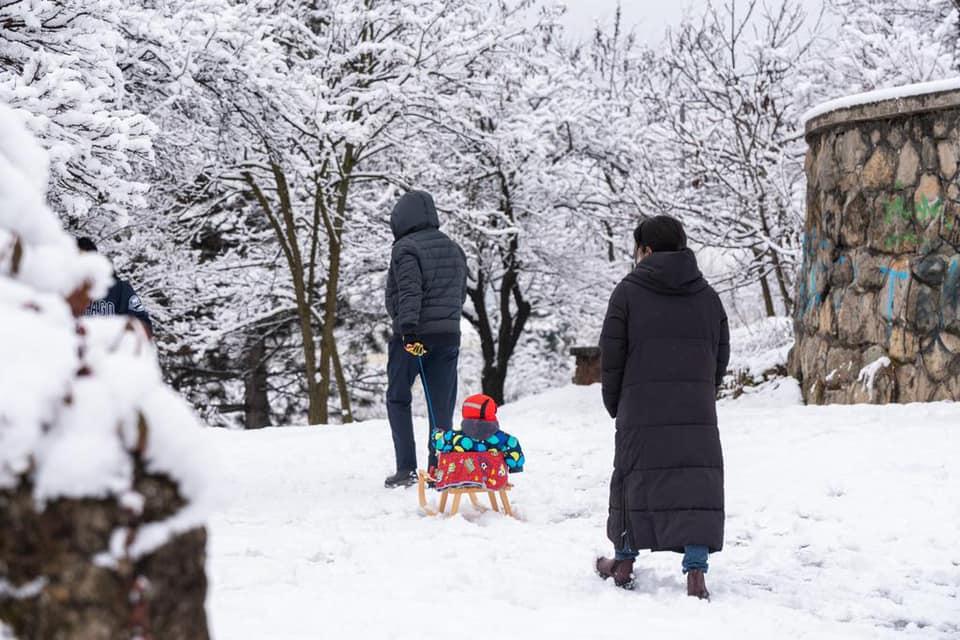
(440, 368)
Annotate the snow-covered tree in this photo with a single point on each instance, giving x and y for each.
(508, 162)
(60, 67)
(724, 142)
(888, 43)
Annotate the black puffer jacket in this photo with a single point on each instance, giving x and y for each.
(664, 350)
(427, 280)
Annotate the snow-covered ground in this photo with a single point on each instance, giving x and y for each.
(842, 522)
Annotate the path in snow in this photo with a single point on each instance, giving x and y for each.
(842, 522)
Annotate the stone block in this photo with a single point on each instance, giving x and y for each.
(941, 393)
(892, 304)
(850, 320)
(867, 273)
(951, 342)
(896, 136)
(930, 270)
(928, 194)
(950, 296)
(904, 345)
(826, 170)
(851, 150)
(842, 366)
(908, 378)
(928, 155)
(831, 219)
(855, 219)
(948, 156)
(878, 172)
(941, 127)
(953, 384)
(908, 167)
(923, 308)
(827, 319)
(937, 359)
(841, 273)
(892, 227)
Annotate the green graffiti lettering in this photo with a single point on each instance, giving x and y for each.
(924, 212)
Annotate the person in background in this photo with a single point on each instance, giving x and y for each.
(426, 289)
(121, 299)
(664, 350)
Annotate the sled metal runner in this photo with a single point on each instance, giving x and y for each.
(471, 492)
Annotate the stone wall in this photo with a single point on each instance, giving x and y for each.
(588, 369)
(880, 283)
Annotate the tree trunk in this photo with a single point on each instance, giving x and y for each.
(767, 297)
(334, 226)
(497, 352)
(492, 381)
(256, 403)
(285, 228)
(345, 407)
(327, 345)
(781, 276)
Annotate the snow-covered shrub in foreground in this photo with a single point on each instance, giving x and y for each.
(85, 419)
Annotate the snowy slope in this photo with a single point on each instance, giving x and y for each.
(842, 523)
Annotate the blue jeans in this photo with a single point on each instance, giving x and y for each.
(403, 369)
(694, 556)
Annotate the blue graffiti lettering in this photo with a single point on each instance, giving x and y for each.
(893, 276)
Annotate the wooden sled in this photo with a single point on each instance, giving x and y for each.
(458, 493)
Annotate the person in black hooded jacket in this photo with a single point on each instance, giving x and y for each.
(426, 289)
(664, 350)
(121, 299)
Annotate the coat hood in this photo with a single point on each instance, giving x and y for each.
(479, 429)
(673, 273)
(413, 212)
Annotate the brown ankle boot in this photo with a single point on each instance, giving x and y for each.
(620, 570)
(697, 585)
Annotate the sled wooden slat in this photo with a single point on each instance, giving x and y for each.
(471, 492)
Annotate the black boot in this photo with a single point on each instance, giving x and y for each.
(620, 570)
(401, 479)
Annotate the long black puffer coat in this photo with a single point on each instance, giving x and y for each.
(427, 280)
(664, 350)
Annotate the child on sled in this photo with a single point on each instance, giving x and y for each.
(477, 454)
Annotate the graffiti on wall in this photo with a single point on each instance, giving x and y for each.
(812, 285)
(923, 213)
(892, 279)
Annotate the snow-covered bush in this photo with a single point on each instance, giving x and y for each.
(101, 468)
(758, 354)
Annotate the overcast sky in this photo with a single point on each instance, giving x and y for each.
(651, 17)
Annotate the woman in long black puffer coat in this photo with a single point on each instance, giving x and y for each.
(664, 351)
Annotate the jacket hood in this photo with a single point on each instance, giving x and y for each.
(479, 429)
(413, 212)
(673, 273)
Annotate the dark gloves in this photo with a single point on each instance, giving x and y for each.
(413, 346)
